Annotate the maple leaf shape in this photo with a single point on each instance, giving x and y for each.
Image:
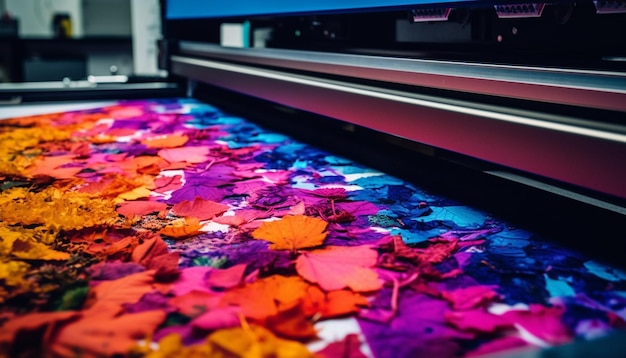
(292, 232)
(199, 208)
(337, 267)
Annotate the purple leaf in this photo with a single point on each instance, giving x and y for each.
(196, 189)
(114, 270)
(150, 301)
(418, 330)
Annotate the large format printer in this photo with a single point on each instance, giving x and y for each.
(515, 109)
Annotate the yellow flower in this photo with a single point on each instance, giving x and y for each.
(14, 153)
(55, 209)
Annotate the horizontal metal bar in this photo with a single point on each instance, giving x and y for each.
(594, 89)
(581, 155)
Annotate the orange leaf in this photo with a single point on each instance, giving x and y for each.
(182, 228)
(194, 303)
(337, 267)
(199, 208)
(331, 304)
(266, 297)
(292, 232)
(111, 295)
(109, 247)
(170, 141)
(150, 247)
(51, 166)
(101, 335)
(292, 324)
(29, 323)
(138, 208)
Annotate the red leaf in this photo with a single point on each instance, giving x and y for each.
(199, 208)
(139, 208)
(337, 267)
(349, 347)
(195, 303)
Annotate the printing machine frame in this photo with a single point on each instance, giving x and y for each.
(518, 113)
(522, 116)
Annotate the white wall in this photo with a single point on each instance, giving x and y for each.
(146, 25)
(106, 17)
(35, 16)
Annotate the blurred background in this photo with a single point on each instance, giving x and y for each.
(49, 40)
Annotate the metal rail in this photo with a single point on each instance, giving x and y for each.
(571, 150)
(592, 89)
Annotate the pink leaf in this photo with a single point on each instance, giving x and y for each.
(192, 279)
(477, 320)
(219, 318)
(543, 322)
(185, 154)
(226, 278)
(470, 297)
(242, 217)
